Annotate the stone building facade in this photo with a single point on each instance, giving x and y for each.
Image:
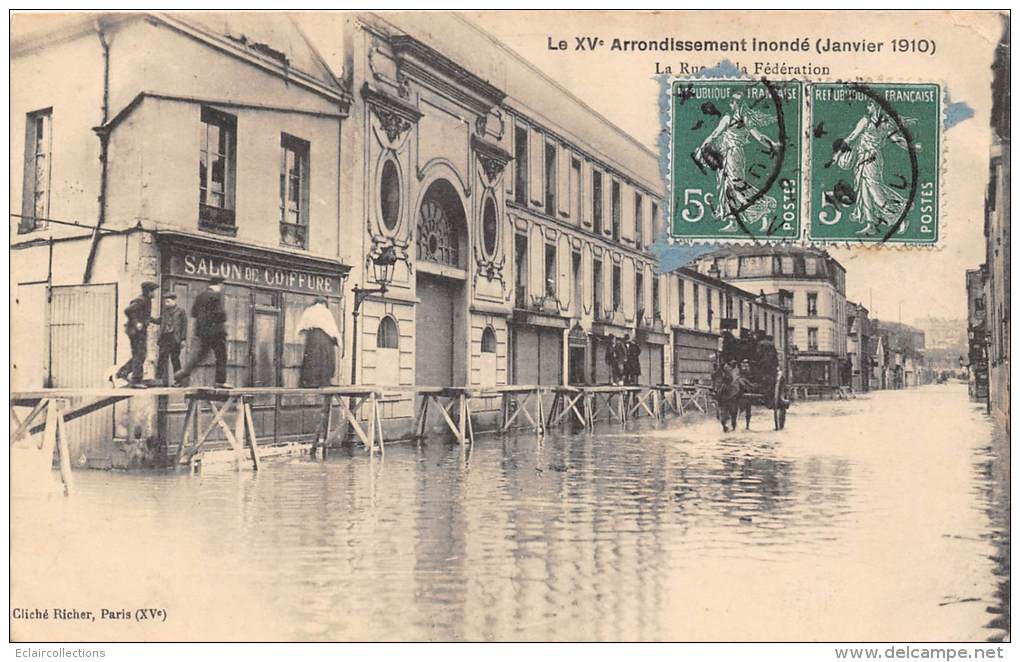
(248, 107)
(522, 219)
(817, 333)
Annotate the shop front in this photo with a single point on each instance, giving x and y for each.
(264, 294)
(536, 348)
(694, 356)
(653, 345)
(818, 370)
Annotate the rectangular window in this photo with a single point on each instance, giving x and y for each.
(616, 210)
(216, 170)
(550, 270)
(597, 284)
(812, 339)
(790, 337)
(293, 191)
(639, 221)
(708, 299)
(616, 287)
(812, 304)
(35, 203)
(521, 267)
(655, 297)
(596, 200)
(521, 165)
(655, 222)
(697, 306)
(575, 264)
(575, 169)
(639, 294)
(682, 311)
(550, 179)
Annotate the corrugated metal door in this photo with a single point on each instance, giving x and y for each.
(434, 331)
(525, 355)
(550, 357)
(83, 336)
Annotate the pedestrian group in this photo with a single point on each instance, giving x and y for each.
(317, 326)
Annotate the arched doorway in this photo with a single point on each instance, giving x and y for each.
(441, 256)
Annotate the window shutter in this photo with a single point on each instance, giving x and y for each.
(626, 211)
(587, 279)
(563, 180)
(646, 220)
(536, 262)
(607, 204)
(586, 185)
(563, 253)
(627, 287)
(508, 174)
(536, 167)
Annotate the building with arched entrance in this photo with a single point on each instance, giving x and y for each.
(524, 218)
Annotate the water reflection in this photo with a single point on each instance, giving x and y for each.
(834, 529)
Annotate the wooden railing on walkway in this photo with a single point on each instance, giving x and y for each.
(521, 407)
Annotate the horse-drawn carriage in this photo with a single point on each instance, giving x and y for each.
(748, 373)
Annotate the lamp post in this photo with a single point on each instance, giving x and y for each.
(382, 269)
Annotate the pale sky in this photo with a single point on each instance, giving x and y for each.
(621, 86)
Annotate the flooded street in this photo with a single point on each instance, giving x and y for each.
(880, 518)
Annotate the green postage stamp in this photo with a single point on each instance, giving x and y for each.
(736, 159)
(875, 162)
(865, 165)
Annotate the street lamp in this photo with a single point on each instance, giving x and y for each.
(382, 270)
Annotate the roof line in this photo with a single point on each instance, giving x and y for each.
(637, 143)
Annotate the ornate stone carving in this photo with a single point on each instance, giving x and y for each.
(393, 124)
(492, 157)
(491, 166)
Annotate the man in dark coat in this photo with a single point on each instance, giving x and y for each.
(211, 331)
(139, 317)
(633, 361)
(614, 370)
(173, 331)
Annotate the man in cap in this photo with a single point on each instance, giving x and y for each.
(138, 316)
(173, 331)
(211, 331)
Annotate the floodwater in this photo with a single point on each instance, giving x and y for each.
(880, 518)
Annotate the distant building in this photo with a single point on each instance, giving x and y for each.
(817, 333)
(857, 344)
(997, 246)
(704, 307)
(977, 346)
(904, 354)
(941, 333)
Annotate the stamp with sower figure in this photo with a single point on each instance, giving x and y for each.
(875, 162)
(736, 159)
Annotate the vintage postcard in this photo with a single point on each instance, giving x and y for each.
(504, 326)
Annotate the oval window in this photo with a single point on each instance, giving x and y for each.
(389, 190)
(490, 227)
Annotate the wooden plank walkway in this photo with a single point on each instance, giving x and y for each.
(521, 407)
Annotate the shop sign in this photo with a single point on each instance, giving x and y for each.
(242, 272)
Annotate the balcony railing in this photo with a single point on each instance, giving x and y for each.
(216, 219)
(520, 296)
(292, 234)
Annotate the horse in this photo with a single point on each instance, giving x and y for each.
(729, 388)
